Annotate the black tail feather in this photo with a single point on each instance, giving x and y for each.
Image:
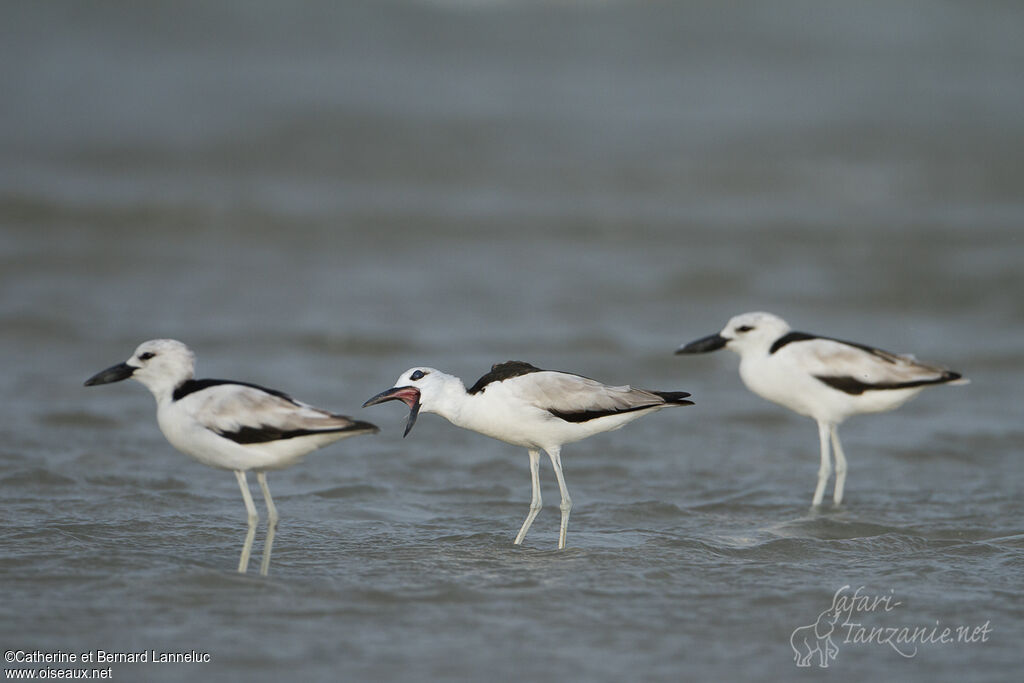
(675, 397)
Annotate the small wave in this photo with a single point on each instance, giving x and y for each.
(35, 477)
(78, 418)
(352, 491)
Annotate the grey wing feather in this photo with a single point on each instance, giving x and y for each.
(561, 392)
(831, 358)
(230, 408)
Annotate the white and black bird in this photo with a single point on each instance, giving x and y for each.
(823, 378)
(230, 425)
(525, 406)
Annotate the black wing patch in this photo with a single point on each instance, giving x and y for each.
(791, 337)
(671, 397)
(502, 371)
(587, 415)
(855, 387)
(190, 386)
(264, 433)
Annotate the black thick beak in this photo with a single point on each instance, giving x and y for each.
(710, 343)
(408, 395)
(115, 373)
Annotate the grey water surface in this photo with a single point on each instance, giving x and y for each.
(316, 196)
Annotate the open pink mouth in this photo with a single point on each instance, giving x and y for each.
(410, 396)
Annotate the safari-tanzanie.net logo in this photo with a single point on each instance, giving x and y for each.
(862, 618)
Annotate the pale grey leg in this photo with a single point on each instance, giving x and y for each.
(535, 502)
(837, 448)
(556, 462)
(243, 561)
(261, 477)
(825, 470)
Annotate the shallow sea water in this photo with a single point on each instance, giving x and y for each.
(319, 197)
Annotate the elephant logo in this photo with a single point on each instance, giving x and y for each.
(816, 638)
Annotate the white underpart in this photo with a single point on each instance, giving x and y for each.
(789, 377)
(194, 423)
(518, 411)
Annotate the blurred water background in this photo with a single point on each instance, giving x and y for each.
(318, 195)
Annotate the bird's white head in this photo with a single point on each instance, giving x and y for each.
(159, 364)
(420, 388)
(746, 333)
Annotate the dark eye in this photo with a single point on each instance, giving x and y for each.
(146, 356)
(744, 328)
(419, 374)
